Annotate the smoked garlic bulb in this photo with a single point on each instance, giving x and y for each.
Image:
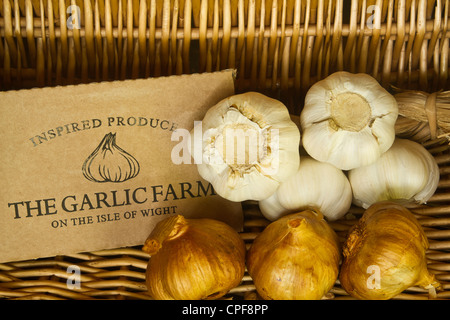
(384, 254)
(295, 258)
(250, 145)
(315, 185)
(193, 259)
(407, 173)
(348, 120)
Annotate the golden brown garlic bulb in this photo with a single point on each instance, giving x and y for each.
(348, 120)
(384, 254)
(193, 259)
(295, 258)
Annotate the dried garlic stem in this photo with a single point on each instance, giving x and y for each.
(168, 229)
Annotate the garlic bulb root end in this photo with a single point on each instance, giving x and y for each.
(350, 111)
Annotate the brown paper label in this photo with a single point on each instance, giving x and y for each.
(90, 167)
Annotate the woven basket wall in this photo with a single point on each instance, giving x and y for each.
(278, 47)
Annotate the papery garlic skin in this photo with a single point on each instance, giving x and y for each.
(348, 120)
(193, 259)
(295, 258)
(315, 185)
(384, 254)
(271, 140)
(407, 172)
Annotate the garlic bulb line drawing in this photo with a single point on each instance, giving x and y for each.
(110, 163)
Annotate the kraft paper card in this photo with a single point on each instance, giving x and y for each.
(90, 167)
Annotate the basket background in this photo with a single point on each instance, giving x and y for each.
(278, 47)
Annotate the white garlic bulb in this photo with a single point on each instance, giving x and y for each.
(249, 146)
(348, 120)
(317, 185)
(407, 172)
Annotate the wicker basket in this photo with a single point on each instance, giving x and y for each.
(279, 48)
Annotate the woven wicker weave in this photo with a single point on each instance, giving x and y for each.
(278, 47)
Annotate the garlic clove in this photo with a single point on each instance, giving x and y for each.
(338, 118)
(249, 145)
(271, 208)
(315, 185)
(406, 173)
